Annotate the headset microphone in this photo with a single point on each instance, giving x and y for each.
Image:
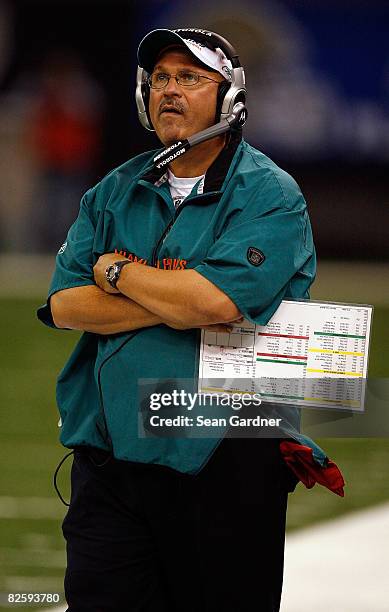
(236, 118)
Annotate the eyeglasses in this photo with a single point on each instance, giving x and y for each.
(186, 78)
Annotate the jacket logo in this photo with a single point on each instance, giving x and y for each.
(255, 256)
(62, 248)
(131, 256)
(167, 263)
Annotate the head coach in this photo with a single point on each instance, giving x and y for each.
(198, 234)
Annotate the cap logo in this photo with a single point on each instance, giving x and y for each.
(196, 44)
(255, 256)
(193, 30)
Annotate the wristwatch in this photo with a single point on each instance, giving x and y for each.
(112, 273)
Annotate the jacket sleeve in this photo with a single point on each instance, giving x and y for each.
(259, 260)
(74, 261)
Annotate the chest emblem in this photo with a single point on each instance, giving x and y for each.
(255, 256)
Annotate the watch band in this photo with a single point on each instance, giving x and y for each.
(112, 273)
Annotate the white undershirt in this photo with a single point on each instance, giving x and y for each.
(180, 188)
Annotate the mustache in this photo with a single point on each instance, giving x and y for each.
(171, 104)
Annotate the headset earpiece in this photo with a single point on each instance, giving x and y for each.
(224, 86)
(146, 99)
(142, 97)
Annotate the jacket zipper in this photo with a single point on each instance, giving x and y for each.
(164, 235)
(171, 223)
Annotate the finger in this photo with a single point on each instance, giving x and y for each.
(218, 327)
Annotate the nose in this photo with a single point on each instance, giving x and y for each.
(172, 88)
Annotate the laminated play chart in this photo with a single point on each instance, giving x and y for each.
(310, 353)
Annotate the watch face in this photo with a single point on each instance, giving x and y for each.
(111, 272)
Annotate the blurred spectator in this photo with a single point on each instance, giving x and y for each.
(64, 133)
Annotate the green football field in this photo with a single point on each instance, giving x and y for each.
(32, 556)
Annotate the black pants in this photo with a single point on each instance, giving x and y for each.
(143, 538)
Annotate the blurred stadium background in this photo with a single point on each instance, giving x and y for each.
(318, 78)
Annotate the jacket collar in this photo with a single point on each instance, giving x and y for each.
(216, 173)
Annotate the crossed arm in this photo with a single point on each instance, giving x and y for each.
(144, 297)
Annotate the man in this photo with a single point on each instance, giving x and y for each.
(159, 524)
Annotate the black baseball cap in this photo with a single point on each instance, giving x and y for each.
(196, 41)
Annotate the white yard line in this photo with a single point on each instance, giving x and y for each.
(31, 508)
(33, 557)
(339, 566)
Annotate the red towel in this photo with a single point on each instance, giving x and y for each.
(300, 460)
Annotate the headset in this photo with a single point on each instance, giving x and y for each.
(231, 98)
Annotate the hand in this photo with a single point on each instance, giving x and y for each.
(99, 271)
(217, 327)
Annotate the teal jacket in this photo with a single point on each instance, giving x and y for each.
(246, 201)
